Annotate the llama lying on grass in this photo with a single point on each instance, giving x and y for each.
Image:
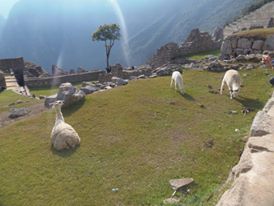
(178, 82)
(233, 82)
(63, 136)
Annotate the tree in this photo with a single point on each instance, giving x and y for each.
(107, 33)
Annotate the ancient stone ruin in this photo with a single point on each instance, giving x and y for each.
(241, 45)
(196, 42)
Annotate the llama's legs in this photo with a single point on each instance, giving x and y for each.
(222, 87)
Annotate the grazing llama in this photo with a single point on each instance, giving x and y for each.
(63, 136)
(233, 82)
(178, 81)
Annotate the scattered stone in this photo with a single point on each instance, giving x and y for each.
(115, 189)
(119, 81)
(177, 184)
(18, 112)
(237, 130)
(153, 75)
(171, 200)
(216, 67)
(232, 112)
(142, 76)
(19, 101)
(89, 89)
(209, 143)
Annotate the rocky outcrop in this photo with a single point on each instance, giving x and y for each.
(253, 178)
(238, 45)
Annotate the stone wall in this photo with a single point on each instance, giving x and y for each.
(57, 80)
(13, 63)
(252, 179)
(196, 42)
(2, 80)
(236, 45)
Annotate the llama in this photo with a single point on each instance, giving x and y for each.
(63, 136)
(233, 82)
(178, 81)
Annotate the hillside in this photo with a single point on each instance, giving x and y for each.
(59, 33)
(134, 138)
(259, 17)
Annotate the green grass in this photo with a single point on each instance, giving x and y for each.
(8, 97)
(202, 55)
(263, 33)
(134, 138)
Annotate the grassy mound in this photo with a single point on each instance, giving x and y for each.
(134, 138)
(263, 33)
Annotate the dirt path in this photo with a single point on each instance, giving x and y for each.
(34, 110)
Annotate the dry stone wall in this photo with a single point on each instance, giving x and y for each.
(57, 80)
(252, 179)
(238, 45)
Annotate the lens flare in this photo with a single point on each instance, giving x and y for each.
(124, 31)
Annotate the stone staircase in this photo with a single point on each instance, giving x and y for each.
(259, 17)
(12, 85)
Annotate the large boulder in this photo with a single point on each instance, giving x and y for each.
(67, 93)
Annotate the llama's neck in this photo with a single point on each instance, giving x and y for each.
(59, 116)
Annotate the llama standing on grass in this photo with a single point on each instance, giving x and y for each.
(233, 82)
(178, 82)
(63, 136)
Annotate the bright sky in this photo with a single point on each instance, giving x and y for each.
(5, 6)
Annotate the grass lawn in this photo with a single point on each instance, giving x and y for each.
(264, 32)
(135, 138)
(7, 97)
(202, 55)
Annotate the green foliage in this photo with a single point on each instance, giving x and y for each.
(135, 138)
(107, 32)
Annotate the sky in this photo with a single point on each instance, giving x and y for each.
(5, 6)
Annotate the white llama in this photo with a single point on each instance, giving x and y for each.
(63, 136)
(233, 82)
(178, 81)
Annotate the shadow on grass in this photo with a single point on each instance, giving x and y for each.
(64, 153)
(250, 103)
(67, 111)
(188, 97)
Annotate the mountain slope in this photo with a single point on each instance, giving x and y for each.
(59, 33)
